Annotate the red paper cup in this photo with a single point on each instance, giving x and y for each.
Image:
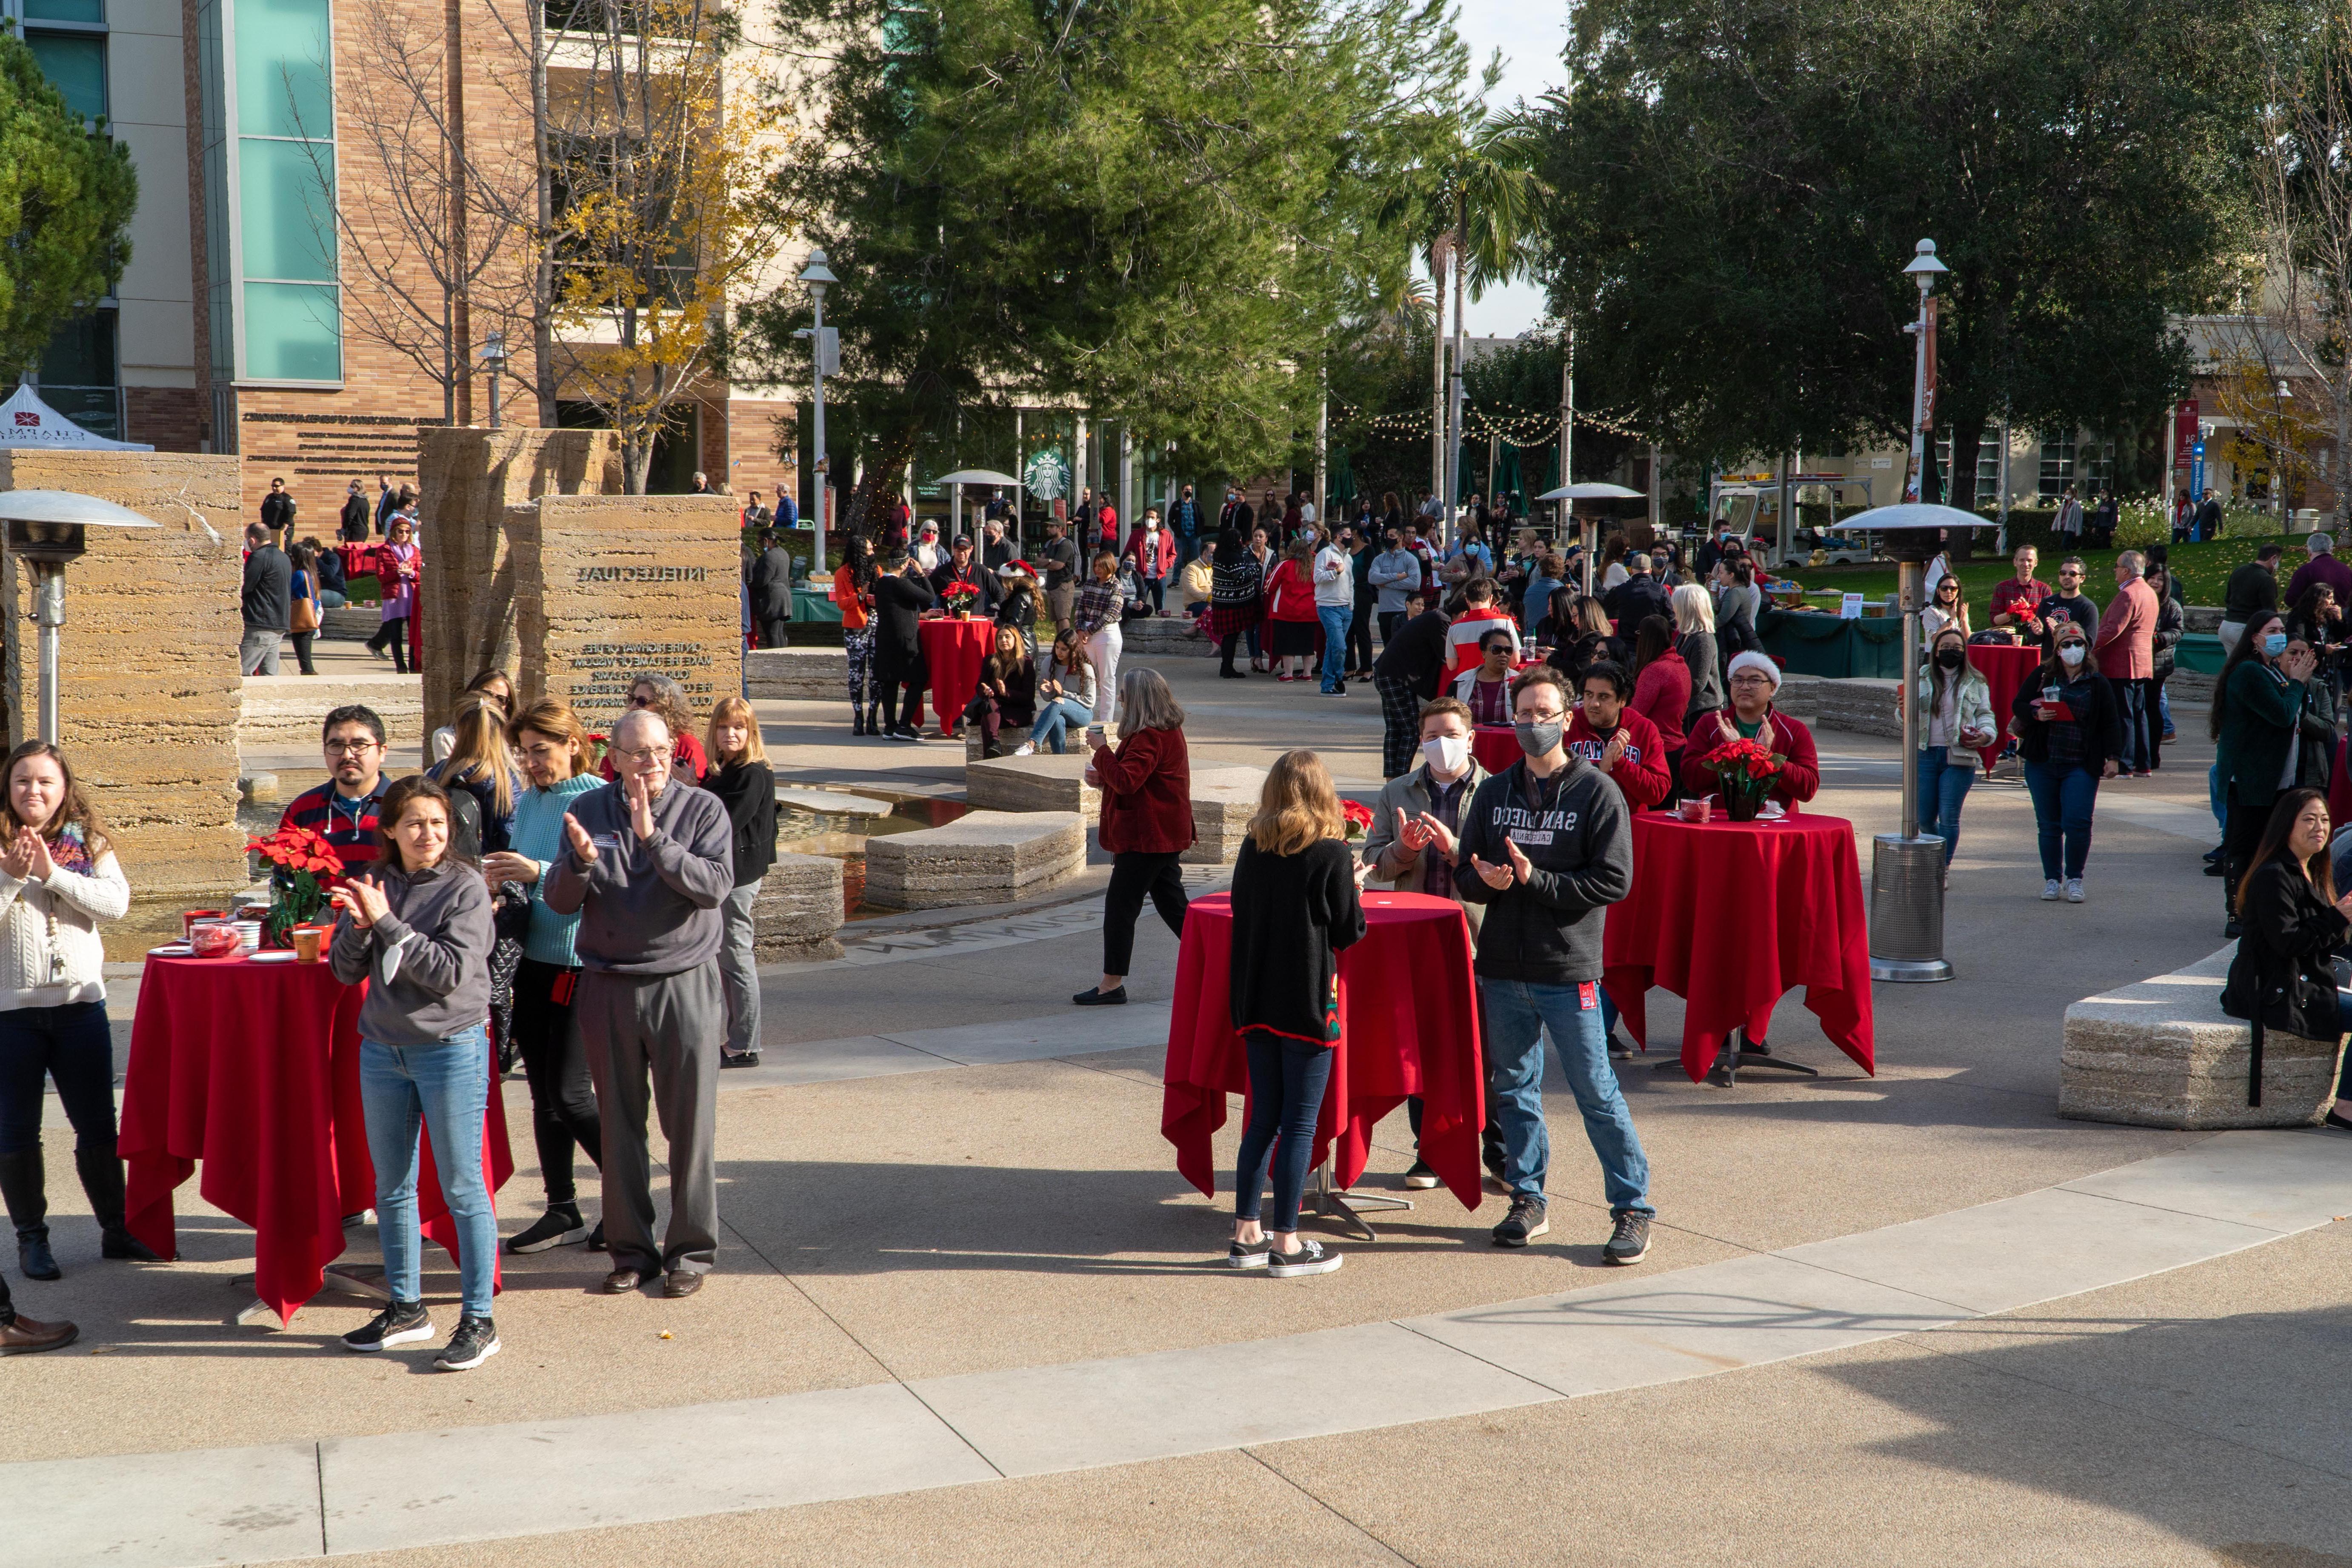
(1697, 809)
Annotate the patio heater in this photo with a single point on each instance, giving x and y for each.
(44, 530)
(1906, 869)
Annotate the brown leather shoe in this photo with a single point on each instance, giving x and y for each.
(27, 1335)
(621, 1281)
(680, 1282)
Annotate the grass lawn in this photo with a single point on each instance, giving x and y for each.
(2203, 570)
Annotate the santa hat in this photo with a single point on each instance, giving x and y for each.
(1012, 569)
(1756, 661)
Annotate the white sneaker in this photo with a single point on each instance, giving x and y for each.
(2050, 891)
(2073, 890)
(1026, 748)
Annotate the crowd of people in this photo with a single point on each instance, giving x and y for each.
(289, 586)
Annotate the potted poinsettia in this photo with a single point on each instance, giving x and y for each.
(1358, 818)
(958, 598)
(303, 867)
(1745, 772)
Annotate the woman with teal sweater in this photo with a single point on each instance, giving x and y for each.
(2257, 704)
(552, 746)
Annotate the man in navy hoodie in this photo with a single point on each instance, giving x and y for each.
(1547, 845)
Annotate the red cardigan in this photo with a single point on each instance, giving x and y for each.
(1292, 592)
(1662, 694)
(1801, 774)
(1641, 774)
(1147, 793)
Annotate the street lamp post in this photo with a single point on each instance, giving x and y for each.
(494, 365)
(824, 355)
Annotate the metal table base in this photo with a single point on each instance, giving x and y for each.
(1323, 1199)
(1725, 1073)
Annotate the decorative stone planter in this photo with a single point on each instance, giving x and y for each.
(984, 858)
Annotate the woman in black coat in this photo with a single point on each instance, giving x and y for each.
(2069, 727)
(2293, 922)
(1295, 907)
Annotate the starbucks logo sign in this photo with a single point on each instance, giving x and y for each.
(1048, 477)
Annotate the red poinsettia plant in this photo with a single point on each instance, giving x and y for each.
(959, 598)
(303, 867)
(1357, 816)
(1745, 770)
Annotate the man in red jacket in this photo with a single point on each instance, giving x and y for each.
(1618, 740)
(2126, 650)
(1752, 717)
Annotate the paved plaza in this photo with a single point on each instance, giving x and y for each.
(967, 1313)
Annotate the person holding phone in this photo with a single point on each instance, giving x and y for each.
(2257, 708)
(1956, 723)
(2070, 729)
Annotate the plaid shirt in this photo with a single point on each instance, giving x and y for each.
(348, 824)
(1099, 604)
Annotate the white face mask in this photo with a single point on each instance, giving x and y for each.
(2071, 654)
(1447, 754)
(1152, 527)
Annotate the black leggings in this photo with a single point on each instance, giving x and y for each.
(302, 650)
(555, 1065)
(893, 670)
(1133, 874)
(395, 633)
(2241, 837)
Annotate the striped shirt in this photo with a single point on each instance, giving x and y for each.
(347, 823)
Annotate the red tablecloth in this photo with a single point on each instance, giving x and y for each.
(254, 1069)
(953, 649)
(359, 560)
(1730, 916)
(1409, 1025)
(2004, 669)
(1496, 746)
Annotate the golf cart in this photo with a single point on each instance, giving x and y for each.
(1750, 504)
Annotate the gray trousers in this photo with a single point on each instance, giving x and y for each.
(738, 969)
(667, 1026)
(256, 652)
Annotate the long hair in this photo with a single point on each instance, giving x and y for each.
(1939, 678)
(1070, 649)
(484, 678)
(1653, 640)
(394, 806)
(73, 807)
(1587, 614)
(857, 554)
(1146, 703)
(2273, 844)
(2247, 643)
(1298, 807)
(480, 750)
(1694, 610)
(734, 709)
(557, 721)
(669, 702)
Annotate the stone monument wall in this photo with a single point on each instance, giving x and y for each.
(476, 483)
(607, 587)
(148, 689)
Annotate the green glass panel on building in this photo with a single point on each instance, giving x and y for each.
(293, 332)
(65, 10)
(288, 219)
(76, 62)
(283, 61)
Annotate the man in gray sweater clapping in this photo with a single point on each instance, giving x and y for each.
(647, 861)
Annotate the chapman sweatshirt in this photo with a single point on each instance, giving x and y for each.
(648, 907)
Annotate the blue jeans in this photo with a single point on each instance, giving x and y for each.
(2063, 794)
(1055, 719)
(2164, 709)
(331, 598)
(1335, 619)
(1518, 1014)
(1286, 1082)
(445, 1086)
(1943, 785)
(2217, 799)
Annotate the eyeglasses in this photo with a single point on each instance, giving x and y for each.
(351, 748)
(638, 701)
(1748, 680)
(641, 754)
(1551, 716)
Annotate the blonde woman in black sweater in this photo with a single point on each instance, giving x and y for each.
(1295, 907)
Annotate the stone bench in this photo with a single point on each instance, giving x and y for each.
(1224, 797)
(1860, 705)
(802, 672)
(2162, 1054)
(984, 858)
(283, 712)
(1161, 635)
(351, 623)
(1042, 782)
(799, 909)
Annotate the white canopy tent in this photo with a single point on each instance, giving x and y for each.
(27, 424)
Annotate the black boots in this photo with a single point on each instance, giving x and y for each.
(102, 1178)
(874, 719)
(24, 1188)
(856, 721)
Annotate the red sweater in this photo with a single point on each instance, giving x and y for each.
(1662, 695)
(1801, 772)
(1641, 774)
(1147, 793)
(1292, 590)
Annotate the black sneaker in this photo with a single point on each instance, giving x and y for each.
(558, 1226)
(1523, 1222)
(475, 1341)
(1630, 1242)
(1096, 997)
(738, 1059)
(1310, 1258)
(596, 1237)
(1248, 1254)
(1419, 1178)
(1621, 1049)
(398, 1324)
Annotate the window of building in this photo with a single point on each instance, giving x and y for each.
(2097, 466)
(2057, 467)
(79, 378)
(76, 63)
(1987, 466)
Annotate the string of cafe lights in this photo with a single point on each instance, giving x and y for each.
(1525, 432)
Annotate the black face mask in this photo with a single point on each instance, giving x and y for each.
(1949, 658)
